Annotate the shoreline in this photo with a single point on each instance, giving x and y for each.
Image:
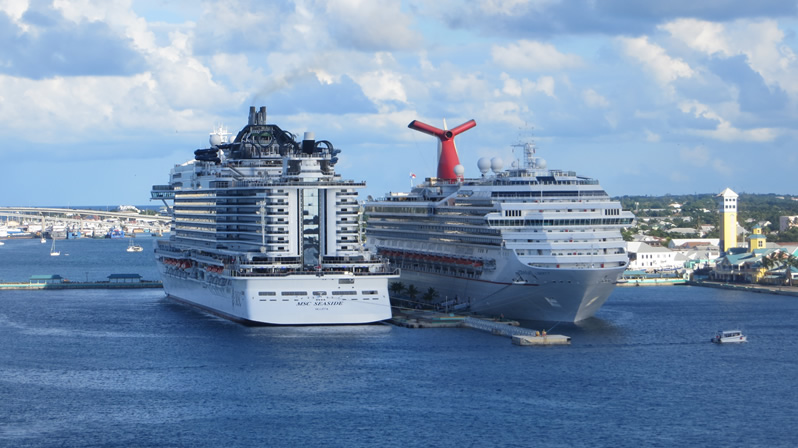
(80, 285)
(762, 289)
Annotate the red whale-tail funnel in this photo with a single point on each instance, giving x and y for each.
(448, 158)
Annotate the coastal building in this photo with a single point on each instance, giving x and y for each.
(787, 222)
(727, 206)
(650, 258)
(45, 279)
(757, 240)
(740, 266)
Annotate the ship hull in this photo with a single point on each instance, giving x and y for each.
(522, 292)
(243, 299)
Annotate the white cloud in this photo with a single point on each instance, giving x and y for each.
(370, 25)
(725, 131)
(533, 56)
(701, 35)
(652, 137)
(593, 99)
(382, 85)
(762, 43)
(664, 68)
(510, 7)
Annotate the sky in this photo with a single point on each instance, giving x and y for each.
(99, 99)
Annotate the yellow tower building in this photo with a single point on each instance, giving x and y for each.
(757, 240)
(727, 206)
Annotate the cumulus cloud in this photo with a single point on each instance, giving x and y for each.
(761, 42)
(371, 26)
(724, 130)
(533, 56)
(42, 43)
(593, 99)
(654, 58)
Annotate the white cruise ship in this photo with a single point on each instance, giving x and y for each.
(264, 231)
(528, 243)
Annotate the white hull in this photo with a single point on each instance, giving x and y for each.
(511, 288)
(240, 298)
(557, 295)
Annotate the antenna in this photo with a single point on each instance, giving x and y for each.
(448, 158)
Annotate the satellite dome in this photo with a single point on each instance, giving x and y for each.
(540, 162)
(496, 164)
(459, 170)
(483, 164)
(215, 139)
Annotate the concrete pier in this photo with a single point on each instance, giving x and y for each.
(554, 339)
(510, 328)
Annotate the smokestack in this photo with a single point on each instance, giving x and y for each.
(262, 115)
(309, 143)
(251, 115)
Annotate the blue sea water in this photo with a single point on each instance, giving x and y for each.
(130, 368)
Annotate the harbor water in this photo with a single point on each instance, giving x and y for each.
(124, 368)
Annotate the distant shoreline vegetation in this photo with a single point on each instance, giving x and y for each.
(695, 210)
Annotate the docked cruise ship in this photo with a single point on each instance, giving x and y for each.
(264, 231)
(528, 242)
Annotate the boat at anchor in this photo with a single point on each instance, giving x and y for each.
(526, 243)
(265, 231)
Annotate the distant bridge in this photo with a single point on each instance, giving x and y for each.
(79, 217)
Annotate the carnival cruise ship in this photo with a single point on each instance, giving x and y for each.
(264, 231)
(527, 243)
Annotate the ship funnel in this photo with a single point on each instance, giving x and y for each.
(447, 159)
(309, 143)
(251, 115)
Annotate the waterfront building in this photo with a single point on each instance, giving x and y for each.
(787, 222)
(650, 258)
(757, 240)
(727, 206)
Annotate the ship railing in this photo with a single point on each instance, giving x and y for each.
(298, 183)
(319, 273)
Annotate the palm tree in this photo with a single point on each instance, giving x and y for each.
(396, 288)
(430, 295)
(781, 259)
(790, 261)
(412, 292)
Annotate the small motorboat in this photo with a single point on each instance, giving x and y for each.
(132, 247)
(729, 337)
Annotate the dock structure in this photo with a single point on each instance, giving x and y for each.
(510, 328)
(519, 335)
(115, 281)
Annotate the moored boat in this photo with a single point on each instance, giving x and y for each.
(526, 243)
(265, 231)
(729, 337)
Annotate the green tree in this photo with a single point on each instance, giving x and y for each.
(396, 288)
(412, 292)
(430, 295)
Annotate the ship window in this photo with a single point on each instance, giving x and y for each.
(266, 293)
(370, 293)
(294, 293)
(344, 293)
(319, 293)
(346, 281)
(310, 227)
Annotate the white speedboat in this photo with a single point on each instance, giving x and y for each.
(729, 337)
(133, 247)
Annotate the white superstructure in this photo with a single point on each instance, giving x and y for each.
(265, 231)
(528, 242)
